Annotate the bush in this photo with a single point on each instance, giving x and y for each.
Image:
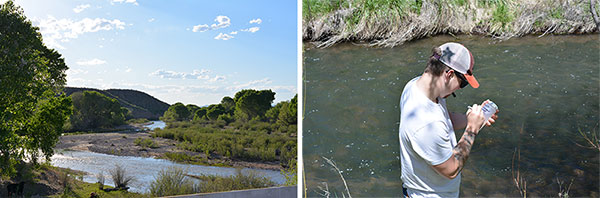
(145, 142)
(172, 181)
(120, 177)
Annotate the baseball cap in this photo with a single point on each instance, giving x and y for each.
(459, 58)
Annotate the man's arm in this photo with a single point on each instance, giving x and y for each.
(452, 167)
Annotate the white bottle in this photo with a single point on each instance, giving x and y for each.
(488, 110)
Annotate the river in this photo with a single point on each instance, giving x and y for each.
(143, 169)
(546, 89)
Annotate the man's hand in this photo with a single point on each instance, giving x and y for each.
(475, 119)
(494, 117)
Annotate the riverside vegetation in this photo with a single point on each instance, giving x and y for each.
(387, 23)
(243, 128)
(35, 111)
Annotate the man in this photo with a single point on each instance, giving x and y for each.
(431, 158)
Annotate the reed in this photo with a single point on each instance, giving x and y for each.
(593, 141)
(326, 192)
(518, 179)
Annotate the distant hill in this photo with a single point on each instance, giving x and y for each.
(141, 104)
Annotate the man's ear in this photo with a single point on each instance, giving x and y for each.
(448, 75)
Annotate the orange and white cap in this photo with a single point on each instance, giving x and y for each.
(459, 58)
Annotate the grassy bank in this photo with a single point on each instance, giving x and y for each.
(220, 142)
(174, 181)
(386, 23)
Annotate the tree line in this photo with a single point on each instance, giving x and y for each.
(248, 104)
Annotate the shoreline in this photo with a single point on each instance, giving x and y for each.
(387, 25)
(122, 143)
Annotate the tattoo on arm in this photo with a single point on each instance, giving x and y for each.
(463, 148)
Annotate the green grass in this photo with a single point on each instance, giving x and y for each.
(83, 189)
(239, 181)
(557, 13)
(502, 15)
(173, 181)
(197, 160)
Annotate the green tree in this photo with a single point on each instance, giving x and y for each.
(192, 109)
(250, 103)
(288, 113)
(214, 111)
(273, 113)
(228, 104)
(176, 112)
(32, 112)
(95, 110)
(201, 113)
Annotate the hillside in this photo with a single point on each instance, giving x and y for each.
(141, 104)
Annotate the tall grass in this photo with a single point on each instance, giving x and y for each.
(239, 181)
(120, 177)
(172, 181)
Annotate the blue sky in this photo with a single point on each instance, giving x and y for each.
(195, 52)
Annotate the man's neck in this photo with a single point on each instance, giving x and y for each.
(428, 84)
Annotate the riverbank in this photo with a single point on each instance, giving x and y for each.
(123, 143)
(391, 23)
(50, 181)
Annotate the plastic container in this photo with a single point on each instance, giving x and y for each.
(488, 110)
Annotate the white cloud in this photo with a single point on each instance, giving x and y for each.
(128, 70)
(151, 20)
(252, 29)
(224, 37)
(134, 2)
(222, 22)
(200, 28)
(91, 62)
(196, 74)
(234, 32)
(80, 8)
(257, 21)
(217, 78)
(255, 84)
(56, 31)
(71, 72)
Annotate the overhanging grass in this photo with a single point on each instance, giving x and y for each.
(387, 23)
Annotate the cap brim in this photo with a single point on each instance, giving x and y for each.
(472, 81)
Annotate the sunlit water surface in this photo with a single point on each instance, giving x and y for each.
(546, 89)
(143, 169)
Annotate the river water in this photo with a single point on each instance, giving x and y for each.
(546, 89)
(141, 168)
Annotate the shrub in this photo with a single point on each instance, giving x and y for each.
(239, 181)
(145, 142)
(120, 177)
(172, 181)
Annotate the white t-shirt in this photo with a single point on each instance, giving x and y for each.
(426, 138)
